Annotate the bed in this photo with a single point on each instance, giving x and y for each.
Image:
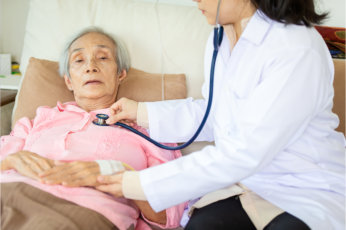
(166, 43)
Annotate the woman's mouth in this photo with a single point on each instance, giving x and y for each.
(92, 82)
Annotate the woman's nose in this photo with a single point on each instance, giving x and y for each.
(92, 67)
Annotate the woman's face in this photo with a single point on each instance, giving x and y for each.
(93, 68)
(231, 11)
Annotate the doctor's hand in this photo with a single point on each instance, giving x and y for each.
(112, 184)
(27, 164)
(72, 174)
(124, 110)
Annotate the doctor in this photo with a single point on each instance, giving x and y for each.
(278, 162)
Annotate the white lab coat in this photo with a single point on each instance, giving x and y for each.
(272, 124)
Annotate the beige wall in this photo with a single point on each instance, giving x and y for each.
(337, 9)
(13, 14)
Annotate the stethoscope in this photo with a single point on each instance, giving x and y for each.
(218, 34)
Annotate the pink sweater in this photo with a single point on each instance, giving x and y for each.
(66, 133)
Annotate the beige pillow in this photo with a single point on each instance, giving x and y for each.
(42, 85)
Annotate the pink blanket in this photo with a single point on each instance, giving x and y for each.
(66, 133)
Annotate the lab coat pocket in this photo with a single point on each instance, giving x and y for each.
(241, 96)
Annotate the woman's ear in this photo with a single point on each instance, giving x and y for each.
(68, 82)
(122, 75)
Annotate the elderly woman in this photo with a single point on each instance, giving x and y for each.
(93, 65)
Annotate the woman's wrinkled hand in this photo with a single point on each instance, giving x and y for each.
(73, 174)
(111, 184)
(124, 110)
(27, 163)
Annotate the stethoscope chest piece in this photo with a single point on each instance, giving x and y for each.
(101, 119)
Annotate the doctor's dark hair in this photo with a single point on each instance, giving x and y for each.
(299, 12)
(122, 56)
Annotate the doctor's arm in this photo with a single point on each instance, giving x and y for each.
(177, 120)
(168, 121)
(268, 121)
(297, 81)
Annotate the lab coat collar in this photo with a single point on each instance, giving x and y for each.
(257, 28)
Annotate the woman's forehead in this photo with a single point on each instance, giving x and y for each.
(92, 39)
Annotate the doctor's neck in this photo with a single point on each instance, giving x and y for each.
(235, 29)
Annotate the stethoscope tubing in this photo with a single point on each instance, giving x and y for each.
(218, 34)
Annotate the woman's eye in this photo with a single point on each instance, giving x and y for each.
(103, 58)
(78, 60)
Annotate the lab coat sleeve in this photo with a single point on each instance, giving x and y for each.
(177, 120)
(295, 86)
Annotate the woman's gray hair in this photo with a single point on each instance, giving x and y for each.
(122, 56)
